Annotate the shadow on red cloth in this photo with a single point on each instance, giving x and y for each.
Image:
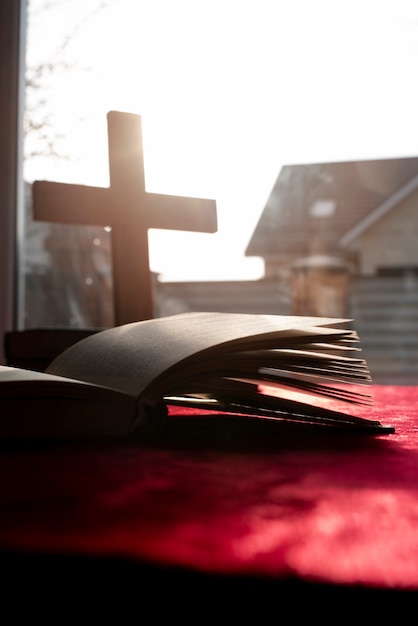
(225, 514)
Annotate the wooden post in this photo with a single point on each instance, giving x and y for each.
(129, 210)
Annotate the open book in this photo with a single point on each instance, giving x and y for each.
(124, 380)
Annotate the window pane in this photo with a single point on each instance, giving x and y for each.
(249, 103)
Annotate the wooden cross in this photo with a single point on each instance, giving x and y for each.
(129, 210)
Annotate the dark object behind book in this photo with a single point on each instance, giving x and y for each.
(36, 348)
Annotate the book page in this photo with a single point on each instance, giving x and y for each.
(142, 356)
(43, 406)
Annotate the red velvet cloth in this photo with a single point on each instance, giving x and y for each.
(333, 509)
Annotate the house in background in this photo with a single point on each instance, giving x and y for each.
(327, 222)
(351, 212)
(343, 237)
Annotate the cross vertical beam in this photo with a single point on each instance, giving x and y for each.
(129, 209)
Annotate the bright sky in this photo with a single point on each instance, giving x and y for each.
(228, 91)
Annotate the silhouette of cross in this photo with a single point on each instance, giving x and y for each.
(130, 211)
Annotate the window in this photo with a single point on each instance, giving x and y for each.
(218, 123)
(11, 43)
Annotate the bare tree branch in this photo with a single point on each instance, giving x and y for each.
(38, 124)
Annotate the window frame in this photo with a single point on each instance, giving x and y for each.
(12, 78)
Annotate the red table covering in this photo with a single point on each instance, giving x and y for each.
(340, 510)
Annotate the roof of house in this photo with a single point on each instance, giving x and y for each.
(317, 208)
